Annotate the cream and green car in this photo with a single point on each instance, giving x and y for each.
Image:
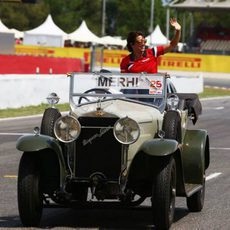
(125, 139)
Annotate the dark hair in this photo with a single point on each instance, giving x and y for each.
(131, 38)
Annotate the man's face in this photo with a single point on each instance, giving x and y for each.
(139, 45)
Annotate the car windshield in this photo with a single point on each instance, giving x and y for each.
(140, 88)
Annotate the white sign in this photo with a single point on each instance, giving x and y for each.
(154, 84)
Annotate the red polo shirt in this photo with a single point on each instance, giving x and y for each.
(148, 63)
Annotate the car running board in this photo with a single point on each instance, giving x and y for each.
(192, 188)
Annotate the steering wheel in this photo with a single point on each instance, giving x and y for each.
(95, 90)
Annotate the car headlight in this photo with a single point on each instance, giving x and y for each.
(67, 129)
(52, 99)
(126, 130)
(172, 102)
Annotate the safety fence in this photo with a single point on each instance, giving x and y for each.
(18, 90)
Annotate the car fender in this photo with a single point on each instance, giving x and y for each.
(142, 167)
(159, 147)
(35, 143)
(32, 143)
(195, 156)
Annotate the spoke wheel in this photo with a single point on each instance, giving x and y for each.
(30, 202)
(164, 193)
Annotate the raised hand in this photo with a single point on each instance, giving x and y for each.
(175, 24)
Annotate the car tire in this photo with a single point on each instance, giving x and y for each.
(195, 202)
(49, 117)
(164, 193)
(172, 125)
(30, 201)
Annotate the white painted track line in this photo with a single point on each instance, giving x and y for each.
(213, 175)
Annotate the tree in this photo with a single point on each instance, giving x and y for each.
(23, 16)
(121, 16)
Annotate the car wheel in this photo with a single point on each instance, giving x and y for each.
(172, 125)
(164, 193)
(49, 117)
(195, 202)
(30, 202)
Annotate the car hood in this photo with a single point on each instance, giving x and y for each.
(121, 108)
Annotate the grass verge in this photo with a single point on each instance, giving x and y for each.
(29, 110)
(214, 92)
(33, 110)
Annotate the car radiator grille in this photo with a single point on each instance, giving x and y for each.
(97, 150)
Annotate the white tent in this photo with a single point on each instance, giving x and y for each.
(17, 33)
(3, 28)
(83, 34)
(157, 37)
(47, 34)
(109, 40)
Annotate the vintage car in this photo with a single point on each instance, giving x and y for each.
(125, 139)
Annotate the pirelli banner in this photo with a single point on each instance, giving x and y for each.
(112, 58)
(195, 62)
(69, 52)
(178, 61)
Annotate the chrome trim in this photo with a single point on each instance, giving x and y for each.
(96, 127)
